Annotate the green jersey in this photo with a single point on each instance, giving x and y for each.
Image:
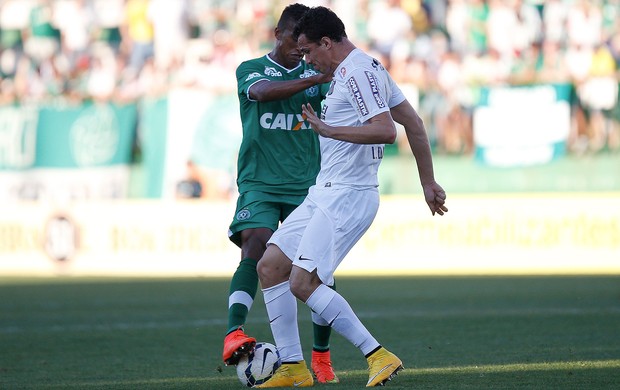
(279, 152)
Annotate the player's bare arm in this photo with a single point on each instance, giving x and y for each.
(434, 194)
(379, 129)
(267, 90)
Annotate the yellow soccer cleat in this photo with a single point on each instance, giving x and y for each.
(322, 367)
(383, 365)
(290, 375)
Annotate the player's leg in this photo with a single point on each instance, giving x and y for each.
(328, 237)
(242, 292)
(321, 356)
(254, 223)
(274, 269)
(332, 307)
(383, 365)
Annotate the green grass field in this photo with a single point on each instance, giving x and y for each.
(450, 332)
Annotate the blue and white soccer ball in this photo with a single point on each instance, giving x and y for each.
(258, 367)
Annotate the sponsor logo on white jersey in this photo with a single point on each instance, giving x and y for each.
(357, 96)
(375, 89)
(377, 65)
(332, 85)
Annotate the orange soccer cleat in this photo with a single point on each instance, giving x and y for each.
(236, 345)
(322, 367)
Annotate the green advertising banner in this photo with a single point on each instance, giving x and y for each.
(70, 151)
(85, 136)
(522, 125)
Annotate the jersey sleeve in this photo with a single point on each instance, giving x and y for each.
(397, 96)
(248, 73)
(367, 94)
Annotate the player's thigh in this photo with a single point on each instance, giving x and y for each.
(254, 210)
(335, 227)
(353, 218)
(290, 232)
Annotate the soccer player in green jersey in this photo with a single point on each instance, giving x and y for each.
(278, 161)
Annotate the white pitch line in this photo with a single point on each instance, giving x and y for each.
(199, 323)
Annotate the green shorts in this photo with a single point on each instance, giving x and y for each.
(256, 209)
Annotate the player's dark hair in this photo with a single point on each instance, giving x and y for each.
(291, 15)
(319, 22)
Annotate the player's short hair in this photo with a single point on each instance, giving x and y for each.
(291, 15)
(319, 22)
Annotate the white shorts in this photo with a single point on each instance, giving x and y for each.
(322, 230)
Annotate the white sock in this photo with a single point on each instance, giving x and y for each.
(336, 311)
(317, 319)
(282, 311)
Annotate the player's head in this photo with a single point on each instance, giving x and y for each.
(291, 15)
(286, 51)
(319, 22)
(319, 34)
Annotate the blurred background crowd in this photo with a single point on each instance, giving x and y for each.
(109, 109)
(442, 52)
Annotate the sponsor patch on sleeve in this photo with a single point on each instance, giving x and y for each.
(374, 87)
(358, 99)
(252, 76)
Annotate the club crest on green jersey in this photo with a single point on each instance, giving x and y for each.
(244, 214)
(314, 90)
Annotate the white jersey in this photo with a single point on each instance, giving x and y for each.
(360, 90)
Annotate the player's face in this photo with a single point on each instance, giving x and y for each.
(289, 50)
(315, 54)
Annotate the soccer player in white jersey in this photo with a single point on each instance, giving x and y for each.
(357, 119)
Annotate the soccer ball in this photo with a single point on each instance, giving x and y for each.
(257, 367)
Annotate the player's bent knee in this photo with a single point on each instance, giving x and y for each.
(298, 289)
(303, 283)
(263, 269)
(273, 268)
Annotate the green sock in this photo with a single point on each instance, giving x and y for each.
(243, 287)
(321, 337)
(322, 334)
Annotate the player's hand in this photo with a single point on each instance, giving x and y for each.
(317, 124)
(435, 198)
(322, 78)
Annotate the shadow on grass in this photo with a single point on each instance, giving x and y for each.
(554, 375)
